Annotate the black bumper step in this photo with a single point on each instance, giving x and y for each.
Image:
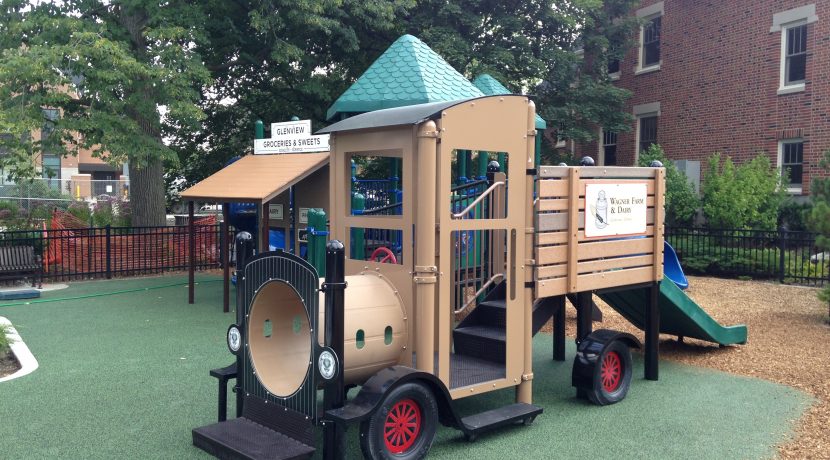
(265, 431)
(477, 424)
(241, 438)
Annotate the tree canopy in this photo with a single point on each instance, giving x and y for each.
(275, 59)
(216, 66)
(110, 69)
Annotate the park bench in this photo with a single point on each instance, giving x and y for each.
(18, 261)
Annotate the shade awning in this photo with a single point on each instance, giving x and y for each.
(256, 178)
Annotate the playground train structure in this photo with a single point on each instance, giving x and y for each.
(455, 287)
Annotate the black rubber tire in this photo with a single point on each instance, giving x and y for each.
(371, 431)
(598, 394)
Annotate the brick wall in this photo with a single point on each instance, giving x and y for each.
(718, 81)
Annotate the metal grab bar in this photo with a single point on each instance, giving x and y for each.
(489, 282)
(478, 200)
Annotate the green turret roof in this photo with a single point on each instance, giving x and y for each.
(407, 73)
(492, 87)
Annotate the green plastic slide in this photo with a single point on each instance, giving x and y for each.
(679, 315)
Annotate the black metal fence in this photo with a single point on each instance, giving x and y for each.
(105, 252)
(788, 256)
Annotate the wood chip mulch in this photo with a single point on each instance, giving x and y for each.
(789, 343)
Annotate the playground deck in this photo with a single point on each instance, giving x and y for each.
(134, 369)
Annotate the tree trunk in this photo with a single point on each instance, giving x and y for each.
(147, 200)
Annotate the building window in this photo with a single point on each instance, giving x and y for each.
(795, 55)
(791, 160)
(792, 24)
(614, 68)
(609, 148)
(647, 132)
(650, 52)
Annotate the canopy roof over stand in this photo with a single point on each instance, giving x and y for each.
(256, 178)
(252, 179)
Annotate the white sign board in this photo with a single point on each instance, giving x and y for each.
(291, 129)
(291, 137)
(275, 211)
(303, 215)
(297, 145)
(615, 209)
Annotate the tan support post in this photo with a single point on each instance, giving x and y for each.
(524, 392)
(425, 276)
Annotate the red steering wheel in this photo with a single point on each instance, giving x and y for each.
(388, 255)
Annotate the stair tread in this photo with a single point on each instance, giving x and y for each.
(243, 439)
(482, 330)
(496, 303)
(500, 416)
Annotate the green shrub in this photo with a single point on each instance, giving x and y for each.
(103, 213)
(819, 220)
(743, 197)
(80, 209)
(681, 200)
(794, 215)
(5, 341)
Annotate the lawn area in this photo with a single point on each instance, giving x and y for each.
(126, 376)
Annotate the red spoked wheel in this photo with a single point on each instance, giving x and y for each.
(611, 371)
(402, 427)
(612, 374)
(388, 255)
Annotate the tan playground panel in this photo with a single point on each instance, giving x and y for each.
(566, 260)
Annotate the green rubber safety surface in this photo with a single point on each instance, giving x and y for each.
(126, 376)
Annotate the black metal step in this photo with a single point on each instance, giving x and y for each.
(265, 431)
(241, 438)
(480, 341)
(476, 424)
(491, 313)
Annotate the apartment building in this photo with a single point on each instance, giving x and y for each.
(738, 77)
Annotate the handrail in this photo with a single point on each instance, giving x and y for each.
(480, 291)
(478, 200)
(467, 185)
(373, 211)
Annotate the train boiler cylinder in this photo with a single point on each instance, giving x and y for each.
(280, 332)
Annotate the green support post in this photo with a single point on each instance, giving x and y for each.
(462, 158)
(483, 159)
(538, 148)
(502, 162)
(317, 237)
(259, 130)
(358, 234)
(396, 177)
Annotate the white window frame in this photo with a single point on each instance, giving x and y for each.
(642, 111)
(601, 147)
(797, 190)
(647, 14)
(782, 22)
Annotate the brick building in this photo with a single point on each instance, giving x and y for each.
(738, 77)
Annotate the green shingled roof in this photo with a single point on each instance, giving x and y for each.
(492, 87)
(407, 73)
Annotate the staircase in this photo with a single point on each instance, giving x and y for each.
(482, 333)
